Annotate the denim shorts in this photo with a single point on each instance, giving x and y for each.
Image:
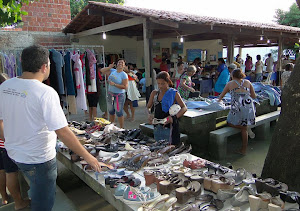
(6, 163)
(42, 179)
(161, 133)
(115, 103)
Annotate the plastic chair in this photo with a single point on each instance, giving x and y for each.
(268, 80)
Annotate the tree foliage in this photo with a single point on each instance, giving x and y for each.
(289, 18)
(11, 11)
(78, 5)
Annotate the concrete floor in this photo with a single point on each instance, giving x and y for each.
(85, 199)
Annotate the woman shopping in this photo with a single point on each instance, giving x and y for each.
(242, 112)
(186, 84)
(259, 65)
(161, 100)
(118, 83)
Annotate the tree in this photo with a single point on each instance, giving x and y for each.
(283, 159)
(10, 11)
(288, 18)
(78, 5)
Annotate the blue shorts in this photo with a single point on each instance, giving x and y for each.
(161, 133)
(6, 163)
(115, 103)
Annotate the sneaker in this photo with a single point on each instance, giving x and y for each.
(250, 133)
(135, 196)
(119, 191)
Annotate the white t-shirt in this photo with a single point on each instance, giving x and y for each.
(269, 63)
(31, 112)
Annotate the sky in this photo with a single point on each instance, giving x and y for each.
(256, 10)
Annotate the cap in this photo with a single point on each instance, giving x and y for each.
(232, 66)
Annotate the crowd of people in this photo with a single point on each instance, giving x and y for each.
(37, 106)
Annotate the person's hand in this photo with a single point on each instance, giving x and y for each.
(169, 120)
(111, 65)
(93, 162)
(193, 84)
(150, 118)
(112, 83)
(192, 89)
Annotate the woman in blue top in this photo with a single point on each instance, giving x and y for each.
(222, 80)
(118, 83)
(161, 100)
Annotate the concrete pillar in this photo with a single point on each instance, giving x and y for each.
(240, 51)
(279, 61)
(147, 36)
(230, 49)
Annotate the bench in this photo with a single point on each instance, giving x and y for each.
(148, 129)
(218, 138)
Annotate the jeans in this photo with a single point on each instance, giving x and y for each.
(115, 103)
(42, 179)
(161, 133)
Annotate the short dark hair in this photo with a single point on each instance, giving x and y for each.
(269, 54)
(165, 76)
(121, 59)
(179, 63)
(258, 57)
(221, 60)
(33, 57)
(238, 73)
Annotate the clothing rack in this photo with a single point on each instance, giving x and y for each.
(74, 47)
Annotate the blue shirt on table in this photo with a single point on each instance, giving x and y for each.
(118, 79)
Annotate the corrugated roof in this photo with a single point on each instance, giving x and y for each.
(183, 18)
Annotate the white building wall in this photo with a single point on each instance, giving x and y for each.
(118, 44)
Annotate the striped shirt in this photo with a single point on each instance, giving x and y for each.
(1, 143)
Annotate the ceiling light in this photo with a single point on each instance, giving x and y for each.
(261, 37)
(104, 36)
(181, 39)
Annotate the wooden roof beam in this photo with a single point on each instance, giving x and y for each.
(111, 27)
(165, 22)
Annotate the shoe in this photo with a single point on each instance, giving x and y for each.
(128, 147)
(250, 133)
(135, 196)
(119, 191)
(242, 196)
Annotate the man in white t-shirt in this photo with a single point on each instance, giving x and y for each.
(31, 118)
(269, 63)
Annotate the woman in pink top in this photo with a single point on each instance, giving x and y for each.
(248, 64)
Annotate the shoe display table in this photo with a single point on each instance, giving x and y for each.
(198, 124)
(97, 183)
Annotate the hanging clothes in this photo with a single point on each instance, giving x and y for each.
(53, 82)
(81, 98)
(91, 63)
(59, 61)
(10, 65)
(70, 89)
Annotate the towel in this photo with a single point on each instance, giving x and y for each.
(168, 99)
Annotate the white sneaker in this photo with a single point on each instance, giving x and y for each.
(250, 133)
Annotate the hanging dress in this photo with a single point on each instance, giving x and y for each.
(80, 99)
(242, 110)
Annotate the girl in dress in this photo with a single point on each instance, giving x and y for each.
(242, 112)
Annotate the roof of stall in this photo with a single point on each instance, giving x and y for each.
(167, 24)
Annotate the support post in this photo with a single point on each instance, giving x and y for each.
(240, 51)
(279, 60)
(147, 35)
(230, 49)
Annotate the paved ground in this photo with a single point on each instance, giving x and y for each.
(87, 200)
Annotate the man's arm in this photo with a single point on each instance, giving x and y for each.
(68, 138)
(1, 130)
